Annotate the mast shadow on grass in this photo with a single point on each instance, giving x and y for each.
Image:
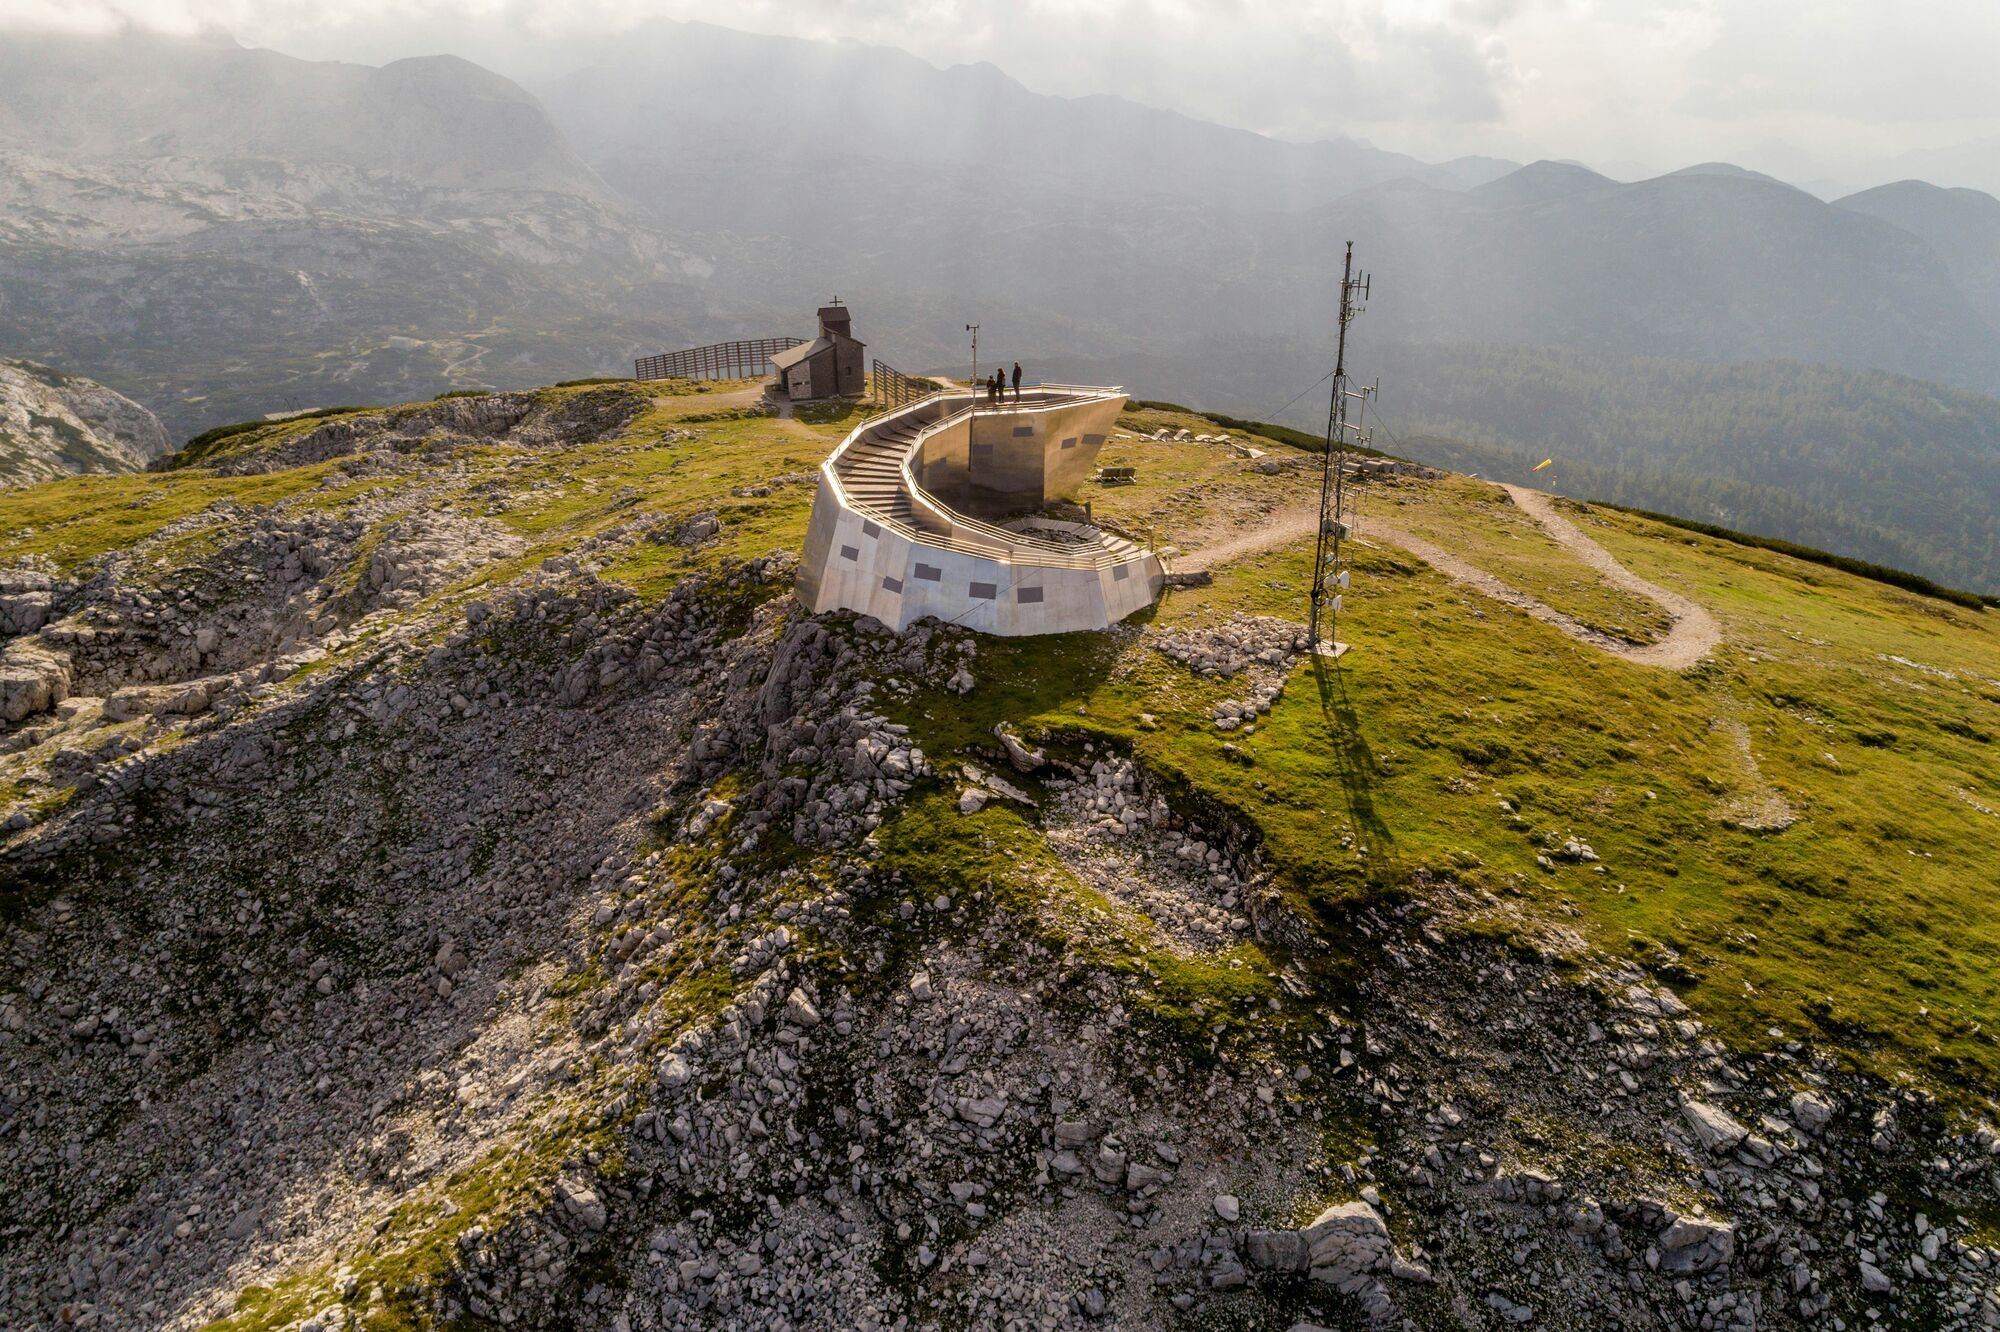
(1354, 762)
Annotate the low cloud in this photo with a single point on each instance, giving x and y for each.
(1660, 82)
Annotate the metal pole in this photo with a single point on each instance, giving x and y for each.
(1333, 471)
(973, 329)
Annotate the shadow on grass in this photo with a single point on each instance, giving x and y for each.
(1354, 762)
(1040, 680)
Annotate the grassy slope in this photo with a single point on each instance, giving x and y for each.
(1185, 488)
(74, 520)
(1865, 922)
(1868, 920)
(1481, 523)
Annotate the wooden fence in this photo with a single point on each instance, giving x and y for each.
(746, 359)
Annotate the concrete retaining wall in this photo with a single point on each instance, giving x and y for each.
(1024, 459)
(853, 563)
(1037, 451)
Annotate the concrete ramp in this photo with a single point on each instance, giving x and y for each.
(895, 531)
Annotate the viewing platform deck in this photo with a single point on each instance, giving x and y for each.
(895, 532)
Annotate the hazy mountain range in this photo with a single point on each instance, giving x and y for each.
(674, 97)
(1141, 228)
(1961, 226)
(223, 232)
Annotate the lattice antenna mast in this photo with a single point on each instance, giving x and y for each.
(1330, 577)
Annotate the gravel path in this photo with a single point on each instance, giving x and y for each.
(1694, 633)
(1691, 637)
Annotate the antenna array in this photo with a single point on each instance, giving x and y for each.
(1330, 575)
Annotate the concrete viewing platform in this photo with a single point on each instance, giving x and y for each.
(907, 519)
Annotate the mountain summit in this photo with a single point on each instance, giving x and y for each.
(177, 209)
(451, 882)
(259, 121)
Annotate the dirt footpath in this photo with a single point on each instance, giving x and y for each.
(1692, 635)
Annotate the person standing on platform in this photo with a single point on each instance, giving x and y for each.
(1017, 381)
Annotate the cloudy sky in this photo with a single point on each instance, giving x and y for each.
(1841, 91)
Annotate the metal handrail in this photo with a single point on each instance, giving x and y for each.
(1056, 552)
(830, 472)
(998, 541)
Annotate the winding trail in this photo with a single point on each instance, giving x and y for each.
(1692, 635)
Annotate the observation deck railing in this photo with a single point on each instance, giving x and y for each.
(962, 533)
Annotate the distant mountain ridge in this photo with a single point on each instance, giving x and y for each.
(698, 92)
(140, 98)
(1093, 223)
(1962, 226)
(1698, 265)
(227, 231)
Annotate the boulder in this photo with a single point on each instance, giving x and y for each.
(1072, 1133)
(1023, 758)
(582, 1203)
(1693, 1244)
(981, 1111)
(1526, 1186)
(1346, 1244)
(799, 1010)
(1811, 1111)
(1276, 1250)
(125, 704)
(32, 679)
(24, 612)
(1718, 1131)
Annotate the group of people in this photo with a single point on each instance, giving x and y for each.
(996, 385)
